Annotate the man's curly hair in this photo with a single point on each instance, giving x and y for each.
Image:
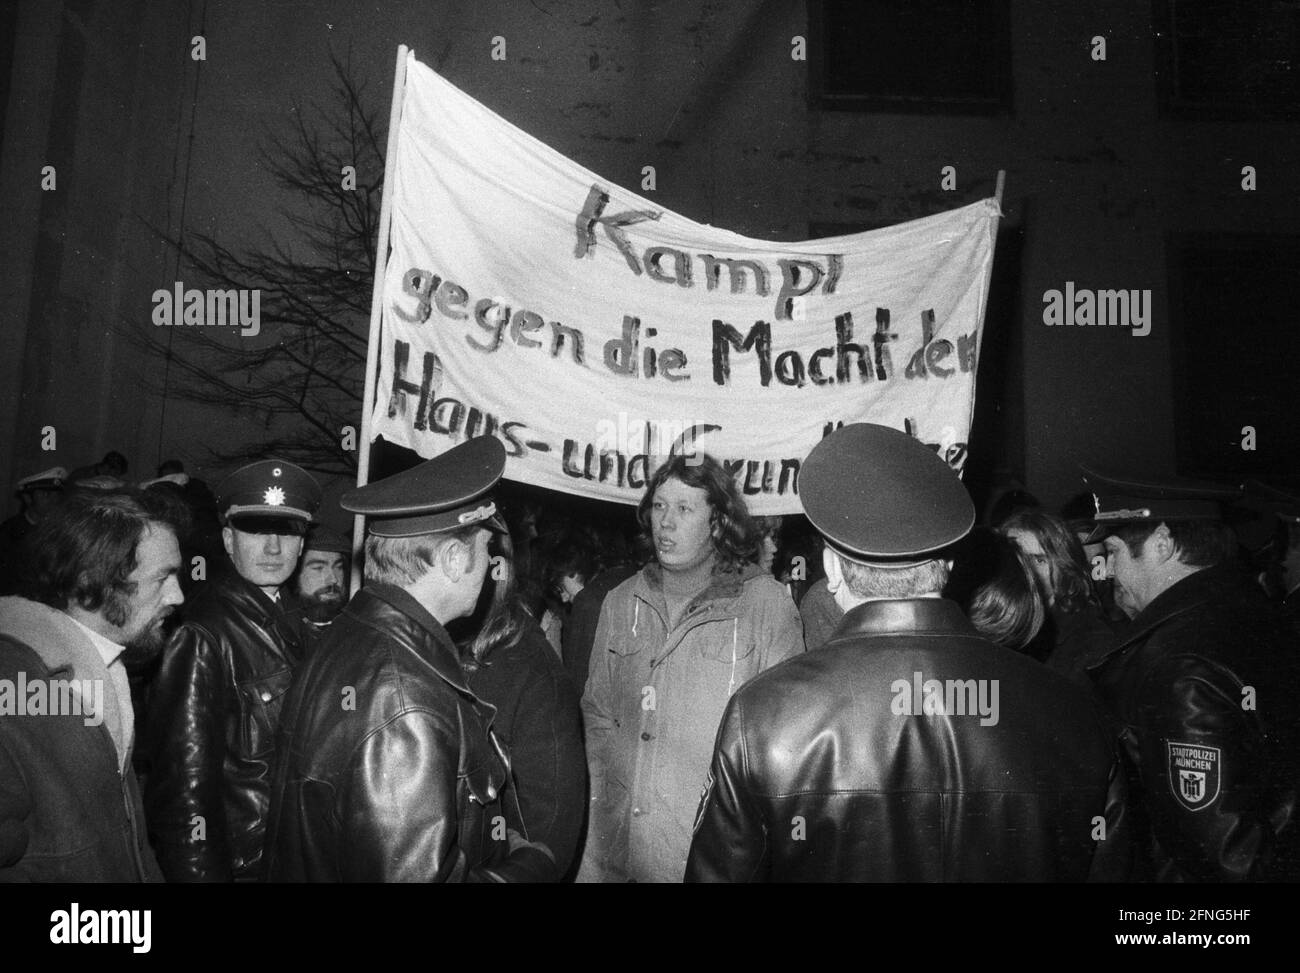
(735, 536)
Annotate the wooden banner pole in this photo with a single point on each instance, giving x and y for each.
(377, 307)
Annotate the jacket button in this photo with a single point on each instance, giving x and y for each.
(645, 736)
(636, 812)
(266, 696)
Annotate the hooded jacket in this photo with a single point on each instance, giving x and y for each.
(653, 701)
(388, 768)
(70, 808)
(1205, 684)
(213, 713)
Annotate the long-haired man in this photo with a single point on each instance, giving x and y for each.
(673, 643)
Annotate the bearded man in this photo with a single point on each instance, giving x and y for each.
(103, 578)
(321, 582)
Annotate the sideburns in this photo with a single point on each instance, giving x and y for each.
(115, 604)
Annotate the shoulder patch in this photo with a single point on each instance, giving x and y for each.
(1194, 774)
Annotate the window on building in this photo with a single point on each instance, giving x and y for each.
(946, 56)
(1228, 59)
(1236, 351)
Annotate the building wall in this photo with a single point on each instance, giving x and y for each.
(92, 94)
(705, 92)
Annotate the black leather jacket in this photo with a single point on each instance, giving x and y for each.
(389, 771)
(821, 773)
(213, 714)
(1204, 684)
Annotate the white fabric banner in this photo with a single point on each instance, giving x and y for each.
(594, 331)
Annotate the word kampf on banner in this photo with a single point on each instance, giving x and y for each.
(798, 277)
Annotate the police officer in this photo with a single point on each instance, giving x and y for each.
(38, 493)
(908, 747)
(1203, 682)
(388, 770)
(216, 703)
(320, 583)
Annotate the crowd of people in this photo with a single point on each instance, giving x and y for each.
(528, 687)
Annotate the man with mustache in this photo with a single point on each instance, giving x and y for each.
(102, 578)
(1203, 682)
(216, 703)
(321, 582)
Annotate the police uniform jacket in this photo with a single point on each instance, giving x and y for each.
(827, 770)
(388, 769)
(1204, 685)
(213, 714)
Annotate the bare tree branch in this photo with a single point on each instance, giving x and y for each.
(315, 291)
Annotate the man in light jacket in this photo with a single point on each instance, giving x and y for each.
(673, 643)
(103, 575)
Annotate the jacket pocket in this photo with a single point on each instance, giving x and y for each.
(630, 633)
(482, 763)
(723, 641)
(260, 701)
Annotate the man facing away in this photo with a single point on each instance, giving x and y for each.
(388, 769)
(908, 747)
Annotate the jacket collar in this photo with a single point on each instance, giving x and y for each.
(723, 585)
(254, 605)
(425, 634)
(905, 616)
(1180, 597)
(64, 648)
(59, 641)
(252, 598)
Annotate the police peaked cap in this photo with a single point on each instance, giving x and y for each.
(1121, 500)
(444, 493)
(882, 497)
(50, 479)
(269, 488)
